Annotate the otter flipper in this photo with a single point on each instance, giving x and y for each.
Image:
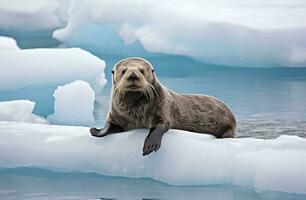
(108, 129)
(153, 140)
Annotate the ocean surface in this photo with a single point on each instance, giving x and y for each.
(29, 183)
(267, 102)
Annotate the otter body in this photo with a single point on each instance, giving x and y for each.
(196, 113)
(139, 100)
(202, 114)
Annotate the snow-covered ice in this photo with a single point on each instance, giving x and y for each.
(184, 158)
(8, 43)
(19, 111)
(43, 67)
(74, 104)
(33, 15)
(208, 31)
(34, 74)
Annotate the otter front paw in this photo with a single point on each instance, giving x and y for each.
(97, 132)
(152, 143)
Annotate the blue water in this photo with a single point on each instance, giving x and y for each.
(34, 183)
(277, 95)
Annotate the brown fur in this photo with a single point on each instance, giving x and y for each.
(147, 103)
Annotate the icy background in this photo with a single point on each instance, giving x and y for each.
(236, 33)
(24, 76)
(80, 111)
(19, 111)
(251, 55)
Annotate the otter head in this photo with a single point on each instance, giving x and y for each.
(134, 75)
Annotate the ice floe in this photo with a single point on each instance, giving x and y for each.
(184, 158)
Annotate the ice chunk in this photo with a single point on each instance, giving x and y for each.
(74, 104)
(208, 31)
(42, 67)
(34, 74)
(19, 111)
(184, 158)
(8, 43)
(33, 15)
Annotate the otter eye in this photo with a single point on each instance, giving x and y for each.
(142, 71)
(123, 71)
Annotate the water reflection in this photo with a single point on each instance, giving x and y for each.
(34, 183)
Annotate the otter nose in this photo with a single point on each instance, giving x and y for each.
(132, 77)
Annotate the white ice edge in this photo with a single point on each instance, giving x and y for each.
(48, 67)
(8, 43)
(19, 111)
(74, 104)
(184, 158)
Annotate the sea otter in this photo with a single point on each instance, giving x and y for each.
(139, 100)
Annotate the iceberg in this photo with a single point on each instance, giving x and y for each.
(8, 43)
(74, 104)
(33, 15)
(184, 158)
(205, 31)
(19, 111)
(34, 74)
(215, 32)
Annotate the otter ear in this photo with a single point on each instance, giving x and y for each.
(153, 70)
(113, 71)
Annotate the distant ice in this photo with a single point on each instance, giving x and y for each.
(74, 104)
(19, 111)
(239, 33)
(33, 15)
(184, 158)
(8, 43)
